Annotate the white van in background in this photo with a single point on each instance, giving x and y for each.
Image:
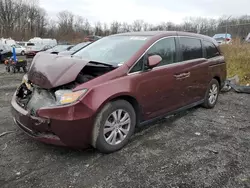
(8, 41)
(45, 41)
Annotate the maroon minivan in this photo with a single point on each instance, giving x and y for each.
(101, 93)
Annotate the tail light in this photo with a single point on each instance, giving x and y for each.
(227, 39)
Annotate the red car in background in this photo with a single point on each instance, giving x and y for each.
(97, 96)
(31, 51)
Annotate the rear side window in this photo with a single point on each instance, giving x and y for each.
(191, 48)
(210, 50)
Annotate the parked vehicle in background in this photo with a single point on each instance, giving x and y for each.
(98, 95)
(59, 48)
(20, 50)
(91, 38)
(247, 39)
(223, 38)
(43, 41)
(26, 44)
(33, 50)
(74, 48)
(5, 52)
(8, 41)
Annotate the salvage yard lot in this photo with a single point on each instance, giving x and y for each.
(196, 148)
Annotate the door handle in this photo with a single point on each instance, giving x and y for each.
(182, 75)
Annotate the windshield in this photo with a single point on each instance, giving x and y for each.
(17, 46)
(113, 49)
(21, 43)
(79, 46)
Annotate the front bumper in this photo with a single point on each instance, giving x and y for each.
(63, 128)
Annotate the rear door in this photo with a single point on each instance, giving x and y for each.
(216, 62)
(194, 73)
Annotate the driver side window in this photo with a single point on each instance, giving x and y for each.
(166, 48)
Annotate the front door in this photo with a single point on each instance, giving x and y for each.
(158, 90)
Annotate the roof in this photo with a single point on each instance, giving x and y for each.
(146, 33)
(164, 33)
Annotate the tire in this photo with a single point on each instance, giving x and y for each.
(100, 141)
(22, 53)
(13, 69)
(210, 102)
(7, 68)
(25, 69)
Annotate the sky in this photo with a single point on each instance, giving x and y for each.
(151, 11)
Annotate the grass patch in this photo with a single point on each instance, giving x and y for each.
(237, 58)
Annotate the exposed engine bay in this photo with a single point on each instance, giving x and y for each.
(32, 97)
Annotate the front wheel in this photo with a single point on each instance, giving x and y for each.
(113, 127)
(212, 94)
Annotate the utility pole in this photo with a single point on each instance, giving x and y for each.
(227, 26)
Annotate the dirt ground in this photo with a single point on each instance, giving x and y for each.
(197, 148)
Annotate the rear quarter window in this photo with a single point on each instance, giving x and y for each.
(191, 48)
(210, 50)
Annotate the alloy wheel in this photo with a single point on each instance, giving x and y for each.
(213, 94)
(117, 126)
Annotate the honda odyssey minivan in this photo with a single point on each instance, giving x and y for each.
(98, 96)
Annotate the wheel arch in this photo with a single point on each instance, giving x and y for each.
(218, 79)
(127, 97)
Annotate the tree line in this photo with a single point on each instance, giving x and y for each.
(24, 19)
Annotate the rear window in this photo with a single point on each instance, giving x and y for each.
(191, 48)
(30, 44)
(210, 50)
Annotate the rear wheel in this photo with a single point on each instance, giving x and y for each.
(114, 125)
(22, 53)
(212, 94)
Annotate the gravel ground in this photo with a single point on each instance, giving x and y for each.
(196, 148)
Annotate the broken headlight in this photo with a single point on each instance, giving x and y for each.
(68, 96)
(25, 78)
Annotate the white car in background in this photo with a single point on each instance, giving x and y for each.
(223, 38)
(20, 50)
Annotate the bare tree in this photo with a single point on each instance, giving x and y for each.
(137, 25)
(65, 24)
(114, 27)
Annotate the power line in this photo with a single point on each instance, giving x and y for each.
(234, 25)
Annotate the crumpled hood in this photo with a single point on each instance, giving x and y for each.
(49, 70)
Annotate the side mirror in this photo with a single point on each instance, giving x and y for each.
(154, 60)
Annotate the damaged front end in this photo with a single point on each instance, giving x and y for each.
(52, 78)
(32, 98)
